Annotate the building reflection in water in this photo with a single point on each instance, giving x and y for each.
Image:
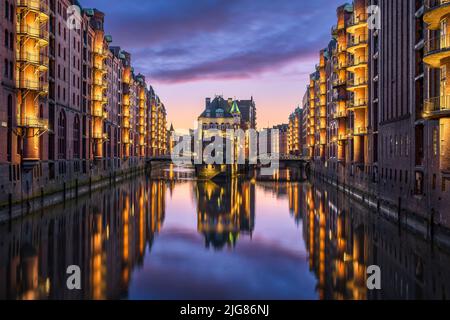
(224, 211)
(106, 236)
(344, 238)
(109, 234)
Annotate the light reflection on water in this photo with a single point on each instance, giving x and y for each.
(175, 238)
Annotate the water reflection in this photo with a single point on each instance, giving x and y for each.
(225, 211)
(281, 240)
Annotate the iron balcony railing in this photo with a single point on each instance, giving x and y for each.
(356, 61)
(433, 4)
(100, 113)
(357, 103)
(437, 105)
(437, 44)
(340, 65)
(339, 82)
(357, 19)
(339, 114)
(24, 29)
(356, 82)
(33, 58)
(99, 98)
(35, 5)
(356, 41)
(32, 122)
(360, 131)
(32, 85)
(100, 82)
(99, 136)
(100, 51)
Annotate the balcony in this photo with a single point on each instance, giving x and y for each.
(356, 22)
(100, 113)
(356, 43)
(357, 83)
(100, 136)
(339, 66)
(436, 49)
(342, 137)
(39, 60)
(38, 86)
(100, 68)
(357, 62)
(340, 115)
(32, 123)
(357, 104)
(24, 30)
(360, 131)
(339, 82)
(101, 83)
(36, 6)
(101, 52)
(437, 107)
(99, 98)
(435, 10)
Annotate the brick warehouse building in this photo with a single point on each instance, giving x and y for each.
(72, 108)
(378, 114)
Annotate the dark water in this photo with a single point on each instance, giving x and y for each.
(175, 238)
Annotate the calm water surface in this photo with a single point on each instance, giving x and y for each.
(169, 237)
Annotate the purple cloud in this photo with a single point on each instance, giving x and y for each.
(182, 41)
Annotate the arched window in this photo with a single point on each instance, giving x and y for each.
(10, 124)
(41, 138)
(6, 38)
(76, 137)
(61, 135)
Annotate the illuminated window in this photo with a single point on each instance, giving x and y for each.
(442, 140)
(435, 142)
(76, 137)
(62, 135)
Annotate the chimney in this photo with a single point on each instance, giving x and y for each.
(208, 102)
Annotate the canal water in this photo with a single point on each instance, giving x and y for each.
(167, 236)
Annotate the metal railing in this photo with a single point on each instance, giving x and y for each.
(34, 58)
(357, 19)
(31, 85)
(357, 103)
(356, 82)
(24, 29)
(339, 82)
(433, 4)
(437, 44)
(35, 5)
(356, 61)
(32, 122)
(356, 41)
(437, 104)
(100, 51)
(99, 98)
(360, 131)
(339, 114)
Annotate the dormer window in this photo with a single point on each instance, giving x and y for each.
(219, 113)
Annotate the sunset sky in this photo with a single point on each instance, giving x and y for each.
(189, 50)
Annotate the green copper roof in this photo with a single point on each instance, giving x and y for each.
(108, 38)
(235, 108)
(89, 12)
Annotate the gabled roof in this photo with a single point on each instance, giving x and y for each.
(235, 108)
(218, 108)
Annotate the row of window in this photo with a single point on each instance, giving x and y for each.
(8, 69)
(9, 11)
(9, 40)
